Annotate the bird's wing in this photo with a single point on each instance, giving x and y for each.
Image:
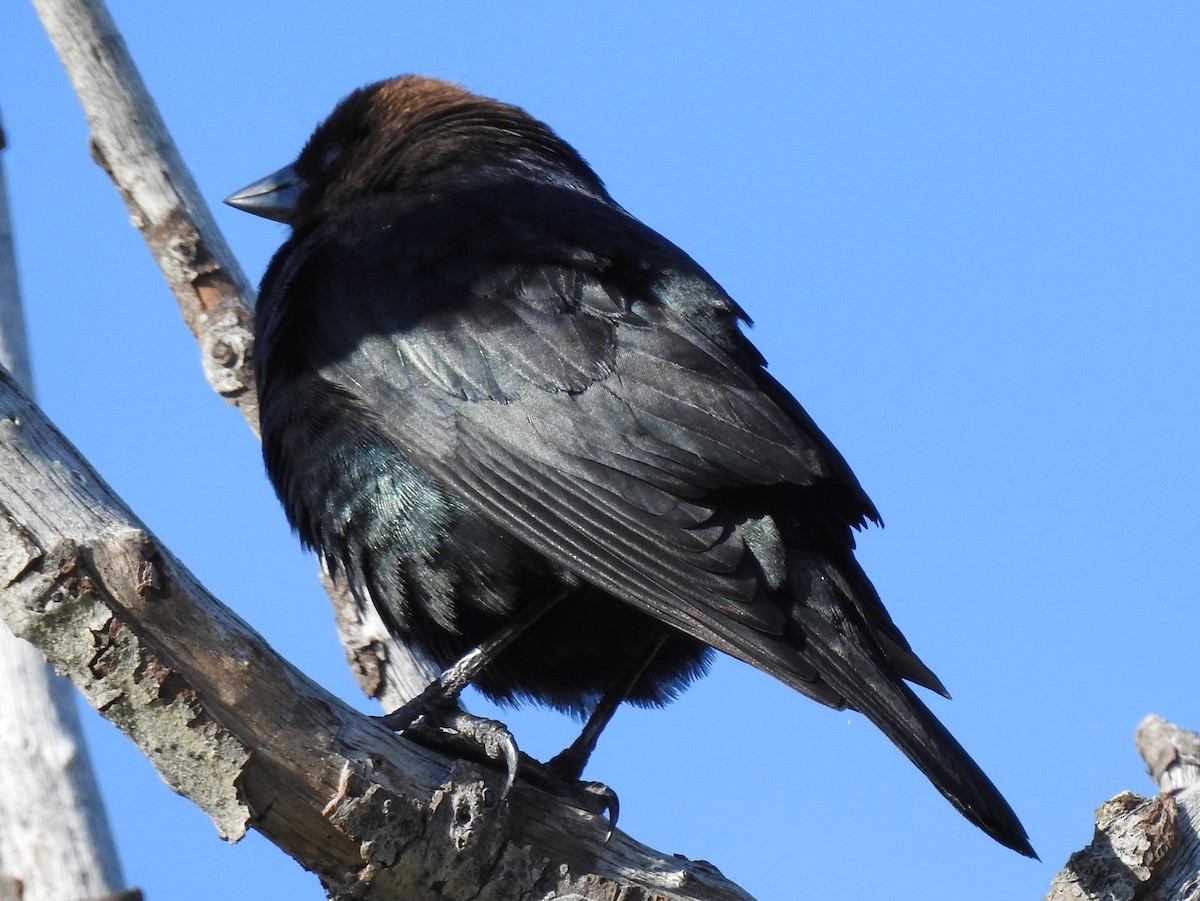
(588, 390)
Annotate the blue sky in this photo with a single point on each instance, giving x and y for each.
(970, 237)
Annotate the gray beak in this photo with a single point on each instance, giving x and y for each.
(274, 197)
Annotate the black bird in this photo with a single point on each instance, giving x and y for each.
(515, 417)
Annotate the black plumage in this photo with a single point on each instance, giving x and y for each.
(483, 384)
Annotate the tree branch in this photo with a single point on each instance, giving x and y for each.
(1145, 849)
(237, 729)
(54, 835)
(131, 143)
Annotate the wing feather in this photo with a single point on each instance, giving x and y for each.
(574, 400)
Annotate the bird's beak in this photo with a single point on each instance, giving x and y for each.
(274, 197)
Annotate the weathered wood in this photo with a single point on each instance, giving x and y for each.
(1172, 753)
(1145, 849)
(130, 141)
(54, 837)
(233, 726)
(14, 346)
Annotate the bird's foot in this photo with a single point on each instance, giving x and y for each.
(440, 697)
(490, 736)
(450, 728)
(562, 780)
(563, 775)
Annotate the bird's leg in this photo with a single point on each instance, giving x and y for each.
(566, 767)
(569, 763)
(445, 689)
(438, 703)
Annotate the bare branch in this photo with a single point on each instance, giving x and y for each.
(1145, 849)
(54, 835)
(131, 143)
(1173, 754)
(233, 726)
(14, 347)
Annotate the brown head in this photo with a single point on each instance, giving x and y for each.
(417, 136)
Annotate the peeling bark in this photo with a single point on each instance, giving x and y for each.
(130, 141)
(242, 733)
(1145, 849)
(54, 836)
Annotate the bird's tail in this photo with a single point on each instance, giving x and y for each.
(850, 664)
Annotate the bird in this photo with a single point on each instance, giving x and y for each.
(534, 434)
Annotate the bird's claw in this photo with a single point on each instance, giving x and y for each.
(454, 730)
(606, 798)
(492, 737)
(593, 797)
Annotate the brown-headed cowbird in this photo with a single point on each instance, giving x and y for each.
(515, 417)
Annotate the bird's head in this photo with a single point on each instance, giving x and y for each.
(415, 136)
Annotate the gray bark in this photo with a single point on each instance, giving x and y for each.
(1145, 849)
(54, 837)
(131, 143)
(237, 729)
(14, 345)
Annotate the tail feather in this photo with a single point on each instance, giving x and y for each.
(848, 664)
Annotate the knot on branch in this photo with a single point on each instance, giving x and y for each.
(447, 847)
(1171, 753)
(225, 347)
(1134, 835)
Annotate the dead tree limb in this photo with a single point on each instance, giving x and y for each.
(241, 732)
(54, 835)
(1145, 849)
(131, 143)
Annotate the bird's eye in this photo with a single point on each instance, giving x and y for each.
(330, 155)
